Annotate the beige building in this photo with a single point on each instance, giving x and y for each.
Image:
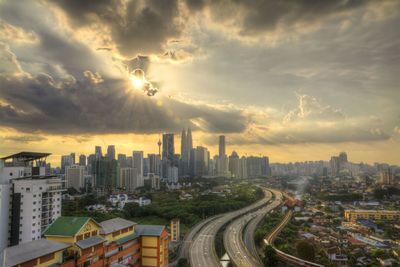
(384, 215)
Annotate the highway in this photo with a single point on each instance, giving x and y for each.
(238, 252)
(188, 239)
(248, 236)
(202, 250)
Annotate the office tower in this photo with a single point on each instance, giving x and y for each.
(221, 145)
(184, 151)
(66, 160)
(168, 147)
(146, 166)
(189, 141)
(105, 172)
(129, 179)
(243, 167)
(75, 177)
(199, 158)
(343, 157)
(31, 198)
(265, 170)
(154, 164)
(73, 158)
(98, 152)
(234, 165)
(172, 174)
(129, 162)
(138, 162)
(325, 171)
(335, 165)
(122, 161)
(254, 167)
(155, 181)
(91, 159)
(82, 160)
(111, 152)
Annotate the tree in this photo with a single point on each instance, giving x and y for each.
(305, 250)
(270, 257)
(183, 263)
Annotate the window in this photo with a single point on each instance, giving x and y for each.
(28, 189)
(34, 203)
(11, 174)
(34, 195)
(33, 217)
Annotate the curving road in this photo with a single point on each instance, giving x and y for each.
(248, 236)
(237, 250)
(202, 250)
(188, 239)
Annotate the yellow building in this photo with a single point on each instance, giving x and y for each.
(175, 229)
(40, 253)
(384, 215)
(82, 242)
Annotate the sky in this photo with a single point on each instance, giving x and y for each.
(294, 80)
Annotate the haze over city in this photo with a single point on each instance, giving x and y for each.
(294, 80)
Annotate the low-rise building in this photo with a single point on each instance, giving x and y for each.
(384, 215)
(81, 241)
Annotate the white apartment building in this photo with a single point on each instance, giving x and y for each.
(29, 200)
(75, 176)
(39, 205)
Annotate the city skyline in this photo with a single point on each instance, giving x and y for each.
(292, 81)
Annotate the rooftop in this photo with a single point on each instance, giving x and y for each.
(90, 242)
(31, 250)
(115, 224)
(27, 156)
(66, 226)
(149, 230)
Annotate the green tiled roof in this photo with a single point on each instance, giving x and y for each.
(66, 226)
(126, 238)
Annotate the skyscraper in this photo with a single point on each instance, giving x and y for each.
(168, 147)
(66, 160)
(98, 153)
(138, 162)
(82, 160)
(222, 145)
(199, 158)
(184, 145)
(111, 152)
(122, 161)
(75, 176)
(189, 142)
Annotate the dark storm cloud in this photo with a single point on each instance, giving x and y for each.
(24, 138)
(136, 26)
(262, 16)
(39, 103)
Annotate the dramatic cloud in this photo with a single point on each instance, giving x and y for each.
(134, 26)
(263, 72)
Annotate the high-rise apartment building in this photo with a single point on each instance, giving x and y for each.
(111, 152)
(66, 160)
(199, 158)
(29, 199)
(75, 177)
(82, 160)
(168, 151)
(222, 146)
(97, 152)
(137, 157)
(130, 180)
